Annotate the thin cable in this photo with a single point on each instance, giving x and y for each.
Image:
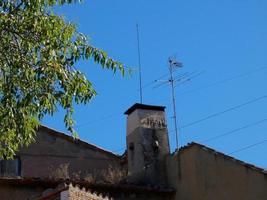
(247, 147)
(225, 80)
(234, 130)
(163, 76)
(179, 79)
(97, 120)
(153, 82)
(219, 82)
(224, 111)
(189, 78)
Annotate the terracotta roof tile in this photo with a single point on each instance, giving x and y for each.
(85, 184)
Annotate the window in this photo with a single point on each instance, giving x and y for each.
(9, 168)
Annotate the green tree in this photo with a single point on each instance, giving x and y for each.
(38, 52)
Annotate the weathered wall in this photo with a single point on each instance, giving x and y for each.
(52, 156)
(202, 175)
(147, 146)
(142, 197)
(146, 162)
(14, 192)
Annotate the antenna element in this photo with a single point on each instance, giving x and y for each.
(172, 65)
(139, 63)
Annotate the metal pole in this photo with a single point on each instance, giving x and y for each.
(173, 101)
(139, 63)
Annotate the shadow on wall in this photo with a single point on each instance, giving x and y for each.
(109, 175)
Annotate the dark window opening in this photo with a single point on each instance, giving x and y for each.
(10, 168)
(131, 146)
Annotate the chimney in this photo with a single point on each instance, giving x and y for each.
(147, 144)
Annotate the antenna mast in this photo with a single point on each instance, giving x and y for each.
(139, 64)
(182, 78)
(172, 64)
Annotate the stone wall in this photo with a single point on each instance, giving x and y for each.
(15, 192)
(52, 156)
(200, 174)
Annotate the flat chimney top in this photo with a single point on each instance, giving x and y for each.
(143, 107)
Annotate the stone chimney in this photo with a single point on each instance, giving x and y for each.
(147, 144)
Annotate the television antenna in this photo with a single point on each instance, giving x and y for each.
(139, 64)
(173, 64)
(173, 81)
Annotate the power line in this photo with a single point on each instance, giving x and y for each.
(153, 82)
(183, 75)
(179, 78)
(159, 78)
(220, 82)
(224, 111)
(189, 77)
(98, 120)
(226, 80)
(234, 130)
(247, 147)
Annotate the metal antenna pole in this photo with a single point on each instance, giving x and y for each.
(139, 63)
(171, 65)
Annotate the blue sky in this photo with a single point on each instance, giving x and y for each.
(225, 41)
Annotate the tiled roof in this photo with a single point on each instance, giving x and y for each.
(53, 195)
(210, 150)
(52, 183)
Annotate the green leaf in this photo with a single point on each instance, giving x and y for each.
(38, 53)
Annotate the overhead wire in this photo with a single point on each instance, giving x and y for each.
(198, 121)
(220, 81)
(189, 78)
(98, 120)
(178, 78)
(205, 118)
(224, 111)
(225, 80)
(191, 123)
(247, 147)
(153, 82)
(235, 130)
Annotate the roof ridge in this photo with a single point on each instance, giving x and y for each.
(211, 150)
(71, 139)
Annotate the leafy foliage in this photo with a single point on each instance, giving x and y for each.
(38, 52)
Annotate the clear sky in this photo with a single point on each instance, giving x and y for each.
(222, 45)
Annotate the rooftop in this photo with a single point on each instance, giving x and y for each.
(225, 156)
(143, 107)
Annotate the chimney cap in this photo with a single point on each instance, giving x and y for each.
(143, 107)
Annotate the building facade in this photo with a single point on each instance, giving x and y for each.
(57, 166)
